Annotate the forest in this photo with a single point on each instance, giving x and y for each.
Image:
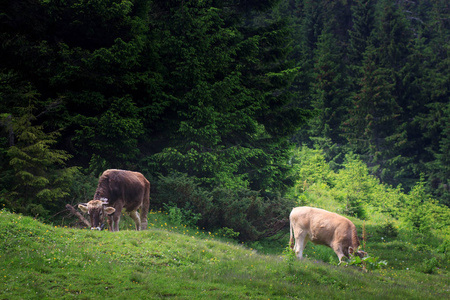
(232, 109)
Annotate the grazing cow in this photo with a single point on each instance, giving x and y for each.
(324, 228)
(119, 189)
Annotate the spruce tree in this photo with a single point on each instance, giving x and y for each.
(371, 126)
(329, 89)
(36, 171)
(359, 34)
(391, 39)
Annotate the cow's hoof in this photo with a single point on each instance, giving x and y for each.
(144, 226)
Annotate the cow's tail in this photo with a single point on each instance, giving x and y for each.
(355, 239)
(291, 235)
(145, 206)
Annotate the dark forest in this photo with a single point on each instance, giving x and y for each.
(212, 99)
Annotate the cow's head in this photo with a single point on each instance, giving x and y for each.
(357, 252)
(97, 210)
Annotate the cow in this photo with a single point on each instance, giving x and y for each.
(118, 189)
(324, 228)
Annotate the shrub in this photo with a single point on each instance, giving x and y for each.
(290, 258)
(367, 263)
(429, 266)
(421, 212)
(252, 214)
(182, 191)
(180, 216)
(389, 230)
(228, 233)
(310, 167)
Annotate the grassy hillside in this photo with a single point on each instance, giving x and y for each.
(39, 261)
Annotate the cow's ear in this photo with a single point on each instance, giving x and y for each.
(83, 208)
(110, 210)
(350, 250)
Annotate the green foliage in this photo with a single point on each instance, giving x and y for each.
(329, 95)
(180, 216)
(359, 34)
(227, 233)
(218, 90)
(113, 135)
(309, 167)
(367, 263)
(389, 230)
(38, 175)
(355, 185)
(290, 258)
(243, 211)
(182, 191)
(422, 212)
(429, 266)
(357, 193)
(226, 122)
(392, 58)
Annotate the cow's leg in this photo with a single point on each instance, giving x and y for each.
(145, 206)
(338, 250)
(116, 220)
(116, 215)
(300, 242)
(135, 216)
(110, 222)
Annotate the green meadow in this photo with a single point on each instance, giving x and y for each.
(43, 261)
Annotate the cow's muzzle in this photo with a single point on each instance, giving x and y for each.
(98, 227)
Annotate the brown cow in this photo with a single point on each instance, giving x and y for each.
(324, 228)
(119, 189)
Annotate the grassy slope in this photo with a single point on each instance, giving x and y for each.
(39, 261)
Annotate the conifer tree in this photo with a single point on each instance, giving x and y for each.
(371, 127)
(388, 121)
(329, 92)
(359, 34)
(433, 117)
(37, 172)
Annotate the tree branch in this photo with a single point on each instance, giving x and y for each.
(78, 215)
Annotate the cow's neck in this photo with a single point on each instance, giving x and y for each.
(100, 195)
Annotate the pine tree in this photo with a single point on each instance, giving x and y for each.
(36, 171)
(371, 127)
(230, 111)
(329, 91)
(359, 35)
(433, 118)
(388, 120)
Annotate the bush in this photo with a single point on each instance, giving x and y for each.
(227, 233)
(181, 216)
(249, 214)
(389, 230)
(181, 191)
(421, 212)
(310, 167)
(367, 263)
(429, 266)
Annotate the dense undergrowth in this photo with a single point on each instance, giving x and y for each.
(42, 261)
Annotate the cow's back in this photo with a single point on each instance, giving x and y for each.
(323, 227)
(121, 184)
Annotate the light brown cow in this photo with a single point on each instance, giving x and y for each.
(119, 189)
(324, 228)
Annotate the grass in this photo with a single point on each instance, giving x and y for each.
(41, 261)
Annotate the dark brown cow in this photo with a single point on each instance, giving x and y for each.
(118, 189)
(324, 228)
